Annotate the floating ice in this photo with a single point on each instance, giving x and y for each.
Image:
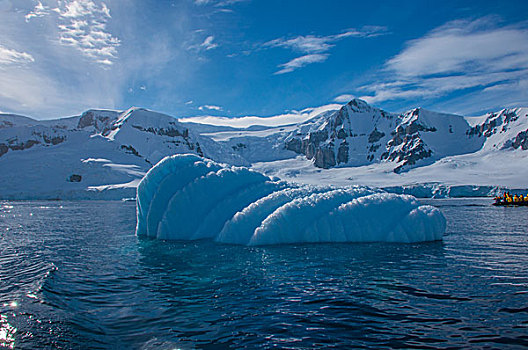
(186, 197)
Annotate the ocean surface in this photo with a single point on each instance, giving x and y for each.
(74, 276)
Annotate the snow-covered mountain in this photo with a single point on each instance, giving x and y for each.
(359, 134)
(99, 154)
(507, 129)
(104, 153)
(351, 136)
(421, 152)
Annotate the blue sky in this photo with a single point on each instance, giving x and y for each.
(261, 57)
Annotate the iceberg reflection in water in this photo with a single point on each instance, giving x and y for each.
(185, 197)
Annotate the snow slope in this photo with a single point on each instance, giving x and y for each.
(98, 155)
(358, 135)
(419, 152)
(103, 154)
(186, 197)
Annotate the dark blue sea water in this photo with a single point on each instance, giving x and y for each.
(73, 275)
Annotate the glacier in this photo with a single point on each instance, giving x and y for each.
(187, 197)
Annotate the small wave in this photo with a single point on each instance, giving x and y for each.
(514, 310)
(27, 279)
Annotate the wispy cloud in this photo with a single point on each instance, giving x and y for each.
(291, 117)
(218, 3)
(344, 98)
(208, 43)
(39, 11)
(10, 56)
(57, 58)
(300, 62)
(198, 44)
(315, 47)
(82, 25)
(315, 44)
(210, 108)
(462, 54)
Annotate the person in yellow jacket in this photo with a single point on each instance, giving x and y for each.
(515, 199)
(509, 199)
(526, 198)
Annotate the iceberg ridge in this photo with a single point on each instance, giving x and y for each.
(186, 197)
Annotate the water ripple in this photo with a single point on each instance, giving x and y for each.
(65, 283)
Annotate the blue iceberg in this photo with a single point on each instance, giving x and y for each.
(186, 197)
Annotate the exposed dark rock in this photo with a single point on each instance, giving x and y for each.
(415, 127)
(75, 178)
(375, 136)
(395, 141)
(6, 124)
(310, 147)
(342, 153)
(131, 150)
(238, 147)
(3, 149)
(510, 117)
(318, 136)
(24, 145)
(341, 134)
(324, 158)
(521, 140)
(318, 144)
(100, 123)
(487, 128)
(294, 145)
(339, 118)
(171, 131)
(87, 119)
(199, 149)
(373, 148)
(55, 140)
(413, 150)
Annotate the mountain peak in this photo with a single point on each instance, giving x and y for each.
(358, 105)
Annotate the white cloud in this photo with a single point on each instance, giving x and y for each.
(315, 47)
(33, 92)
(318, 44)
(218, 3)
(300, 62)
(82, 25)
(462, 45)
(41, 75)
(277, 120)
(208, 43)
(197, 45)
(344, 98)
(305, 44)
(78, 64)
(210, 107)
(459, 55)
(10, 56)
(39, 11)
